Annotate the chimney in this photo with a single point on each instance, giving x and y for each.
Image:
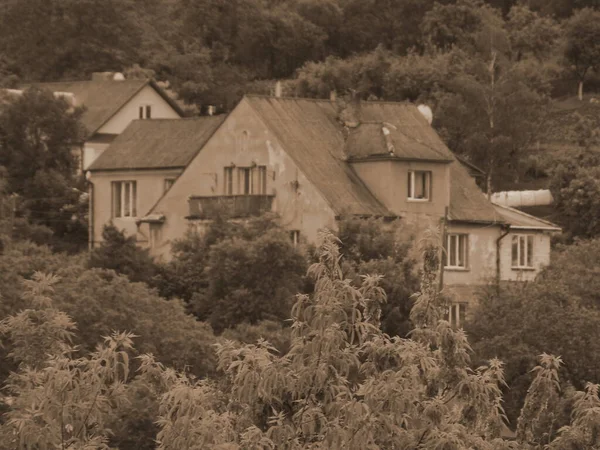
(349, 109)
(210, 110)
(278, 89)
(332, 95)
(103, 76)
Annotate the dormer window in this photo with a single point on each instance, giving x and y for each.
(145, 111)
(419, 185)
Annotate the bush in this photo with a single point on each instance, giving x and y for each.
(121, 254)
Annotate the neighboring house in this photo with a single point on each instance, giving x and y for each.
(313, 161)
(111, 103)
(140, 167)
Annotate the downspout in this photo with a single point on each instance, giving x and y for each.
(506, 230)
(443, 252)
(90, 211)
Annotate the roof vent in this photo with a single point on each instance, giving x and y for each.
(427, 112)
(278, 89)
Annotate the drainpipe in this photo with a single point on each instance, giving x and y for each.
(444, 239)
(90, 211)
(505, 230)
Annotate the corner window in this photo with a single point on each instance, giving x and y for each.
(124, 198)
(169, 182)
(522, 251)
(457, 314)
(457, 251)
(145, 111)
(419, 185)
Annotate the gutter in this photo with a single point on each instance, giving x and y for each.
(506, 230)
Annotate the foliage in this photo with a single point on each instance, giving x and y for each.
(583, 43)
(37, 135)
(273, 332)
(121, 254)
(521, 322)
(373, 246)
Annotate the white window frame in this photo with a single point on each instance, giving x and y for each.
(120, 188)
(525, 248)
(411, 185)
(454, 314)
(452, 251)
(143, 111)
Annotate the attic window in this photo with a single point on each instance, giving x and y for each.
(145, 111)
(419, 185)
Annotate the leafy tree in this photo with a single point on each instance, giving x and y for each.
(583, 44)
(372, 246)
(121, 254)
(48, 40)
(531, 34)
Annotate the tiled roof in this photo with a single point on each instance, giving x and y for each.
(309, 133)
(103, 99)
(157, 143)
(518, 219)
(467, 201)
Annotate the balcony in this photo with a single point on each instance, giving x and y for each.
(230, 206)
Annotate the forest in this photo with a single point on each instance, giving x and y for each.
(243, 340)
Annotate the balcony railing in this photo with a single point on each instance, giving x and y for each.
(230, 206)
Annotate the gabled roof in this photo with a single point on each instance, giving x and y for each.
(520, 220)
(103, 99)
(158, 144)
(309, 133)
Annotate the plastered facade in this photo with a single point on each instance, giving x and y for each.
(243, 140)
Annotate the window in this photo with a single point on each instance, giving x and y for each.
(252, 180)
(261, 180)
(145, 111)
(228, 181)
(169, 182)
(457, 314)
(124, 196)
(522, 251)
(245, 180)
(457, 251)
(155, 234)
(419, 185)
(295, 236)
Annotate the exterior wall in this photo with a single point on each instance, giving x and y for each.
(481, 256)
(147, 96)
(91, 151)
(243, 139)
(541, 256)
(388, 181)
(149, 188)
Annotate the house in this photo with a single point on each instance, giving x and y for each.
(311, 162)
(111, 103)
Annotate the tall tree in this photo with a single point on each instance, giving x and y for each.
(583, 44)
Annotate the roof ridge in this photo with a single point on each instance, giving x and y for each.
(402, 102)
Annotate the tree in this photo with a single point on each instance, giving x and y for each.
(121, 254)
(583, 44)
(531, 34)
(49, 40)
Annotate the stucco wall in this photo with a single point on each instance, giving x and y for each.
(388, 181)
(147, 96)
(541, 257)
(481, 265)
(299, 204)
(149, 187)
